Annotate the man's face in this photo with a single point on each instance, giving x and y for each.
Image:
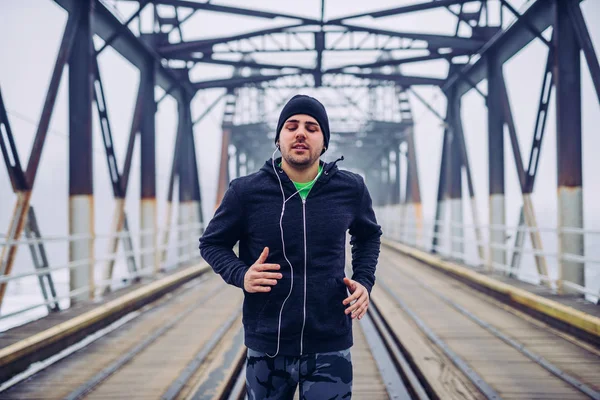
(301, 140)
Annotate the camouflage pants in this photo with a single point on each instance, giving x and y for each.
(320, 376)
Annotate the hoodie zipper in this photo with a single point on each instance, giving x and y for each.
(304, 306)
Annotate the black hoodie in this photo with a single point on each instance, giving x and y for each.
(314, 232)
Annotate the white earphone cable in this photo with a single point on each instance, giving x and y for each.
(283, 246)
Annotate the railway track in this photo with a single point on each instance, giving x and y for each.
(495, 333)
(189, 345)
(215, 370)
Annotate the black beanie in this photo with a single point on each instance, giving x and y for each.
(302, 104)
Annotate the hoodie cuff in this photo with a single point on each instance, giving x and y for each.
(239, 277)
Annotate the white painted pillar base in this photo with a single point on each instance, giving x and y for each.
(396, 221)
(478, 235)
(116, 227)
(570, 215)
(81, 222)
(497, 236)
(411, 226)
(195, 232)
(456, 230)
(164, 246)
(403, 223)
(441, 229)
(149, 236)
(184, 219)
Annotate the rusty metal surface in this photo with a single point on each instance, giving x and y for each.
(223, 168)
(512, 132)
(148, 132)
(495, 127)
(81, 67)
(567, 67)
(17, 224)
(412, 170)
(135, 129)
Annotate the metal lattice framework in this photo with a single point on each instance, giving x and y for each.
(371, 112)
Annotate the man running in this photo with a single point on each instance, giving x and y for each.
(291, 219)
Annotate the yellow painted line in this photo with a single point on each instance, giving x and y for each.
(64, 329)
(561, 312)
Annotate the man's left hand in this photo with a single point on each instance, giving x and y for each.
(360, 297)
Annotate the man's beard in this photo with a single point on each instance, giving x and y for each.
(300, 161)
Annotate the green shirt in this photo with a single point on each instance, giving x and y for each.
(304, 188)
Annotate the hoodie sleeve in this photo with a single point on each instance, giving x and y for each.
(365, 240)
(222, 233)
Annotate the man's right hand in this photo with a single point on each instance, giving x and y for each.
(257, 278)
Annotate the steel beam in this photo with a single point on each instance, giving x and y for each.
(81, 175)
(525, 21)
(319, 48)
(236, 81)
(186, 184)
(223, 178)
(119, 217)
(238, 167)
(232, 10)
(385, 178)
(504, 45)
(148, 240)
(397, 183)
(127, 44)
(413, 187)
(568, 145)
(535, 152)
(110, 39)
(458, 133)
(586, 44)
(528, 210)
(40, 261)
(175, 167)
(223, 181)
(497, 212)
(454, 193)
(401, 80)
(403, 10)
(196, 193)
(434, 41)
(397, 61)
(242, 64)
(206, 45)
(443, 180)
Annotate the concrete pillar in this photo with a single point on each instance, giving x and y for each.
(81, 176)
(455, 182)
(497, 216)
(567, 75)
(455, 200)
(150, 255)
(437, 241)
(190, 212)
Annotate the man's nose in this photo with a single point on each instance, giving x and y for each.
(300, 133)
